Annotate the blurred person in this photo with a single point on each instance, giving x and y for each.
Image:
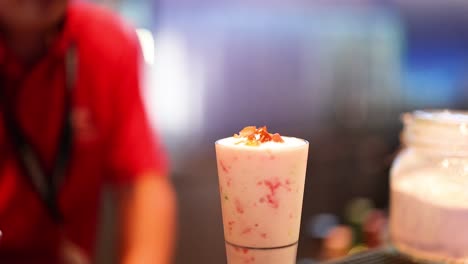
(72, 120)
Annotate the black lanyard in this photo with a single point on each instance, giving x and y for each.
(46, 184)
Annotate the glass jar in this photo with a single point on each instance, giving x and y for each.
(429, 187)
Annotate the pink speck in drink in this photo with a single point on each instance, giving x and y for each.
(261, 180)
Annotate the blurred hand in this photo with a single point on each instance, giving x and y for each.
(72, 254)
(149, 209)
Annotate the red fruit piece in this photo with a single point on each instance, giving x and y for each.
(239, 207)
(247, 230)
(223, 166)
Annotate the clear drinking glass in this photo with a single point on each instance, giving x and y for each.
(261, 190)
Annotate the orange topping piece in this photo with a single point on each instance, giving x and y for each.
(277, 138)
(248, 131)
(255, 136)
(264, 135)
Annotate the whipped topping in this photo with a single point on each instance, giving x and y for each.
(289, 142)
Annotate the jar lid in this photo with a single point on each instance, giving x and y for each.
(437, 130)
(453, 117)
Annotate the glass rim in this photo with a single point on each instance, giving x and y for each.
(306, 143)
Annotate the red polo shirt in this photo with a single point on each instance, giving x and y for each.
(112, 143)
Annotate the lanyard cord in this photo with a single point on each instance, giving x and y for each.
(46, 185)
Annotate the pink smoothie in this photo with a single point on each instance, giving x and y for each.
(261, 191)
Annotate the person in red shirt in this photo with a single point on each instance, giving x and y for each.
(71, 121)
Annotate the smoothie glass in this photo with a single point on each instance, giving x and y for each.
(261, 190)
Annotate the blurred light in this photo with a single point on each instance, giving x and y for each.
(358, 249)
(338, 242)
(320, 225)
(170, 83)
(174, 87)
(357, 210)
(147, 45)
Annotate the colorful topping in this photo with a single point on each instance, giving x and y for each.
(253, 136)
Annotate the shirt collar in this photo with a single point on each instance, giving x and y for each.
(63, 40)
(58, 47)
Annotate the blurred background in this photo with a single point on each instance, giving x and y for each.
(336, 72)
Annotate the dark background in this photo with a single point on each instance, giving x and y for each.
(337, 73)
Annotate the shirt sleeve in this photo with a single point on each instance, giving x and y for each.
(135, 148)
